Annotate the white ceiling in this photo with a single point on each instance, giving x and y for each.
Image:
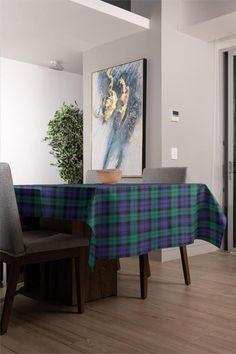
(37, 31)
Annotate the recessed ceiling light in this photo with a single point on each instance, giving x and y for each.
(55, 65)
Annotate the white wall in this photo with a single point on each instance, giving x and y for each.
(143, 45)
(30, 95)
(187, 86)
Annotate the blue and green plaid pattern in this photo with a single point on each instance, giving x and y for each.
(130, 219)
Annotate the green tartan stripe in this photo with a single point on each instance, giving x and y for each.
(144, 215)
(150, 235)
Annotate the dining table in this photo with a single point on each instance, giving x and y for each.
(124, 220)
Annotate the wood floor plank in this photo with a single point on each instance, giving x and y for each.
(174, 319)
(210, 341)
(5, 350)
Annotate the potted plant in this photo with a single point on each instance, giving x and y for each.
(65, 137)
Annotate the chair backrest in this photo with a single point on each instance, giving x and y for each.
(11, 239)
(91, 177)
(165, 175)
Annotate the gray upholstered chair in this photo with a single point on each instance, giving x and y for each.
(163, 175)
(19, 248)
(91, 177)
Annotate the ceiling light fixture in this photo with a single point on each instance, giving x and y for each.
(55, 65)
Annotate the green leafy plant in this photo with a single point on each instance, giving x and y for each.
(65, 137)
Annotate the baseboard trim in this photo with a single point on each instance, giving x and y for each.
(169, 254)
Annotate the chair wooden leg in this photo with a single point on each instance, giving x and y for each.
(1, 272)
(80, 269)
(8, 269)
(184, 258)
(148, 266)
(9, 297)
(144, 273)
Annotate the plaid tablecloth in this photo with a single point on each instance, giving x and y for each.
(130, 219)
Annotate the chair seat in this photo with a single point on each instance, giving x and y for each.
(43, 241)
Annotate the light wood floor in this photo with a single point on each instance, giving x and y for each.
(197, 319)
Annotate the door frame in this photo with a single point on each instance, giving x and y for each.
(229, 146)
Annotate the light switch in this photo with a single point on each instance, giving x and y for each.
(174, 153)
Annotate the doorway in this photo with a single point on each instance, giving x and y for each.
(230, 148)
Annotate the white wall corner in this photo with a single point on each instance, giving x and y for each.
(198, 247)
(170, 254)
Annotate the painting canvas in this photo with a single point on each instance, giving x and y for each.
(118, 118)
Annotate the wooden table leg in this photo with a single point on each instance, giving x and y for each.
(185, 265)
(80, 273)
(118, 263)
(144, 273)
(102, 281)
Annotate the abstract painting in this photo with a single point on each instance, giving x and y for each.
(118, 118)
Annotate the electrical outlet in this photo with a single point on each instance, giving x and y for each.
(174, 153)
